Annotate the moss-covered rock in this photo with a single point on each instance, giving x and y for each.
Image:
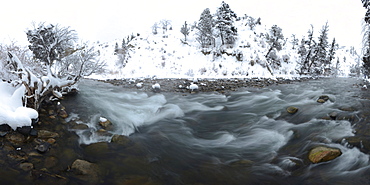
(323, 154)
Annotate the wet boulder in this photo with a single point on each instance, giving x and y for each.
(43, 147)
(323, 99)
(323, 154)
(333, 115)
(292, 109)
(105, 123)
(4, 129)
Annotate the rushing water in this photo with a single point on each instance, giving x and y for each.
(245, 137)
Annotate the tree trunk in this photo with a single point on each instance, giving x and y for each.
(272, 47)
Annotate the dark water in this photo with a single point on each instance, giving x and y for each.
(242, 138)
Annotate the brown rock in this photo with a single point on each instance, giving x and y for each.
(80, 127)
(45, 134)
(323, 99)
(323, 154)
(85, 170)
(51, 140)
(292, 109)
(62, 113)
(242, 163)
(17, 157)
(120, 139)
(26, 166)
(105, 124)
(51, 161)
(15, 138)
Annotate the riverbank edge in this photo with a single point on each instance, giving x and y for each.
(202, 85)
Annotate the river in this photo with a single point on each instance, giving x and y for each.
(245, 137)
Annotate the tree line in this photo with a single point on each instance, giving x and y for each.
(218, 30)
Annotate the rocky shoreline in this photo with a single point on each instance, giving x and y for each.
(222, 86)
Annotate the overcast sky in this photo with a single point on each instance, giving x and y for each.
(109, 19)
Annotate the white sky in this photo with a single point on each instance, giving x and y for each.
(110, 19)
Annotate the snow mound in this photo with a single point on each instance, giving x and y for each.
(156, 86)
(193, 87)
(12, 111)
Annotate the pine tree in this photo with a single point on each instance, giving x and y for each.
(166, 24)
(332, 49)
(274, 39)
(155, 28)
(225, 24)
(205, 29)
(306, 51)
(302, 51)
(185, 30)
(116, 48)
(319, 58)
(294, 41)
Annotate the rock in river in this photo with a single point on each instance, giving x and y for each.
(86, 171)
(292, 109)
(323, 154)
(323, 99)
(45, 134)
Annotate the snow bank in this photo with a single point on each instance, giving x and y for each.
(12, 111)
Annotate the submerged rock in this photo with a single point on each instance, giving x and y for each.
(242, 163)
(85, 170)
(15, 138)
(45, 134)
(323, 154)
(43, 147)
(120, 139)
(26, 166)
(292, 109)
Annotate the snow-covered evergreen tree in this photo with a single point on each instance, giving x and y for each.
(185, 30)
(333, 48)
(155, 28)
(294, 41)
(225, 24)
(275, 39)
(205, 29)
(319, 58)
(306, 50)
(116, 48)
(166, 24)
(302, 51)
(123, 53)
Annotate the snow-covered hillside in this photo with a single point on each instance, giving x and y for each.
(165, 55)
